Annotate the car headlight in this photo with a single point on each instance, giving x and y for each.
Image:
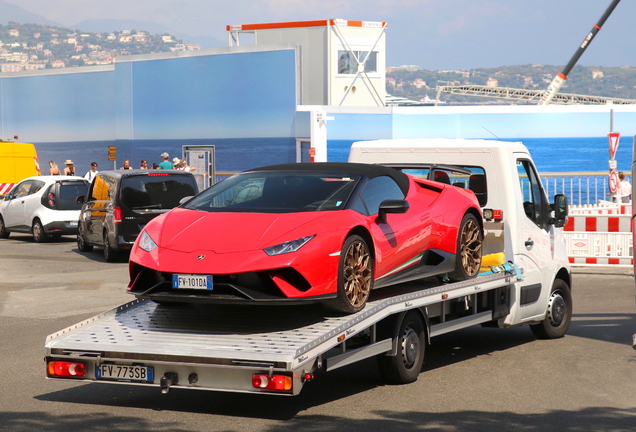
(287, 247)
(146, 242)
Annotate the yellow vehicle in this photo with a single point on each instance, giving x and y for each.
(19, 161)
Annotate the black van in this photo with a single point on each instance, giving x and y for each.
(120, 203)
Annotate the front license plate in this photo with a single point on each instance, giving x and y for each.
(192, 281)
(125, 373)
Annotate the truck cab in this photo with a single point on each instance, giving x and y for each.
(518, 218)
(19, 161)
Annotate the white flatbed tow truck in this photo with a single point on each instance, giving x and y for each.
(277, 350)
(216, 348)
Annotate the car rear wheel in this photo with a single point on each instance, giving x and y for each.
(81, 241)
(3, 229)
(110, 254)
(38, 232)
(469, 249)
(355, 276)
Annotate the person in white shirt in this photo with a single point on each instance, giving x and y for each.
(90, 174)
(624, 188)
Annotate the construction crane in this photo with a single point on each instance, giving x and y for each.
(558, 81)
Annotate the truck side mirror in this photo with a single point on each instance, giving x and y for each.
(392, 206)
(560, 208)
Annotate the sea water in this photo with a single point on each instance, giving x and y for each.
(549, 154)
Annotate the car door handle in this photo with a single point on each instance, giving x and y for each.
(529, 242)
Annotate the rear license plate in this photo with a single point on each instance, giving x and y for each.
(73, 223)
(192, 281)
(125, 373)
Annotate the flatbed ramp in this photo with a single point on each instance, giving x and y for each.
(222, 338)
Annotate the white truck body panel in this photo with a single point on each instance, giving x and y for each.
(539, 262)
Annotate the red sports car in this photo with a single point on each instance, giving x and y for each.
(326, 232)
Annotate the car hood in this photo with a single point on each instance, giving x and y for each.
(192, 230)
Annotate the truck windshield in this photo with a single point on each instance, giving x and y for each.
(277, 192)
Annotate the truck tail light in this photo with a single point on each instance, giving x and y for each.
(496, 215)
(275, 382)
(117, 216)
(66, 369)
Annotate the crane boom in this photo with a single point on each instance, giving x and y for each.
(558, 81)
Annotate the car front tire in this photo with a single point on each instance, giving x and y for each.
(81, 242)
(355, 276)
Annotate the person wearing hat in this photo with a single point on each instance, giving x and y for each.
(69, 170)
(165, 163)
(175, 163)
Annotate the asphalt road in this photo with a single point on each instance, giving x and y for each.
(473, 380)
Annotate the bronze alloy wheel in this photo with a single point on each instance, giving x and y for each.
(470, 241)
(357, 274)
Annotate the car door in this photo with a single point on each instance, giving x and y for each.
(13, 207)
(33, 201)
(534, 241)
(391, 236)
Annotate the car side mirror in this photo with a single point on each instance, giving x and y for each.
(80, 199)
(392, 206)
(560, 208)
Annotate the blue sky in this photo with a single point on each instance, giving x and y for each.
(434, 34)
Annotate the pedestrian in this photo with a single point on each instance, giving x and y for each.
(53, 169)
(69, 170)
(126, 165)
(183, 166)
(155, 166)
(144, 164)
(91, 173)
(175, 163)
(624, 188)
(165, 163)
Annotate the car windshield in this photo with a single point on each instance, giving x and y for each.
(277, 192)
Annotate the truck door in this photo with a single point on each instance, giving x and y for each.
(534, 240)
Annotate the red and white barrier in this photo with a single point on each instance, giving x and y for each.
(599, 223)
(601, 248)
(5, 188)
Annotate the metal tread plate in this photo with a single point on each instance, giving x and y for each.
(142, 329)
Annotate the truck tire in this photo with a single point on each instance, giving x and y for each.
(38, 232)
(405, 367)
(3, 229)
(470, 238)
(355, 276)
(558, 315)
(110, 254)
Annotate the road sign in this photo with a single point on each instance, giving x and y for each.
(112, 153)
(613, 138)
(613, 181)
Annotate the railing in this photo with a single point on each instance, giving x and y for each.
(581, 188)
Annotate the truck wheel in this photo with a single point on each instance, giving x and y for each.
(469, 249)
(559, 314)
(81, 242)
(110, 254)
(355, 276)
(38, 232)
(3, 229)
(405, 367)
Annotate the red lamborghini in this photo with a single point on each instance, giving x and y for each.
(328, 232)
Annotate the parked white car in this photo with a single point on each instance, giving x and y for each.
(43, 206)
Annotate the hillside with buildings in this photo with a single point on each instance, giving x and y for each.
(25, 47)
(415, 83)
